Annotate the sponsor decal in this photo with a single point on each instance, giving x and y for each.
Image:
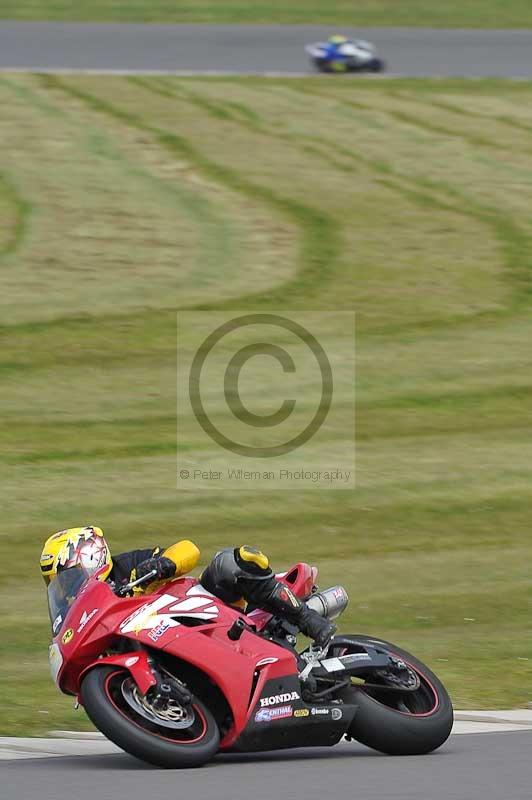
(336, 713)
(337, 664)
(333, 664)
(132, 617)
(85, 618)
(270, 714)
(198, 589)
(149, 617)
(67, 636)
(46, 557)
(57, 623)
(130, 662)
(288, 597)
(301, 712)
(193, 603)
(195, 609)
(159, 630)
(275, 699)
(315, 711)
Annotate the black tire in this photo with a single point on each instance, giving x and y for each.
(398, 732)
(321, 66)
(132, 733)
(377, 65)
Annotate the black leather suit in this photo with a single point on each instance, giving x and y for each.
(234, 575)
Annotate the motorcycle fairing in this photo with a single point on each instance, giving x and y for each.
(291, 722)
(235, 667)
(136, 662)
(190, 624)
(238, 668)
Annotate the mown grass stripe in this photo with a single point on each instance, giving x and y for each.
(321, 240)
(217, 238)
(247, 118)
(516, 244)
(22, 208)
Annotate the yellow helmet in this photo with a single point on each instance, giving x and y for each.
(76, 547)
(337, 39)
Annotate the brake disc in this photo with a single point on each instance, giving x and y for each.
(170, 714)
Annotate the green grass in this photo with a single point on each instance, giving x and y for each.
(124, 200)
(451, 13)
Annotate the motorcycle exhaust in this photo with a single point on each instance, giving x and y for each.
(330, 603)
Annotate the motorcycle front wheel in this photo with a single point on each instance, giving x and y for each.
(376, 65)
(173, 738)
(396, 722)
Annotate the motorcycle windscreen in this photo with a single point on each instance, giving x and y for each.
(62, 592)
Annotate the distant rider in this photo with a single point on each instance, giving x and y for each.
(335, 47)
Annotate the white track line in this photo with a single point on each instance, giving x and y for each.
(79, 743)
(183, 73)
(15, 748)
(462, 726)
(214, 73)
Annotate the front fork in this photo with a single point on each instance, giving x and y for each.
(144, 672)
(138, 663)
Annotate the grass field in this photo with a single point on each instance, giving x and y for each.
(124, 199)
(451, 13)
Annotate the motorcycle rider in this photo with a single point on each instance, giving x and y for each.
(237, 576)
(335, 45)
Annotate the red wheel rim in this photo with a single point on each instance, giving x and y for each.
(197, 711)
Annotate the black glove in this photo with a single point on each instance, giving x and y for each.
(164, 567)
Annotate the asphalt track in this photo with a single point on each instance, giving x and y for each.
(487, 766)
(255, 49)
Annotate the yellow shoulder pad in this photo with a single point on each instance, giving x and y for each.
(255, 556)
(185, 556)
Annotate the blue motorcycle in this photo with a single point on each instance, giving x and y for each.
(340, 54)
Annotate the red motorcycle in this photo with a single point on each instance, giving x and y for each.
(175, 676)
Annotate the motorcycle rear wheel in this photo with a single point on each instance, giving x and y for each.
(411, 723)
(376, 65)
(103, 697)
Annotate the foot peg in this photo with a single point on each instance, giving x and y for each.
(236, 630)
